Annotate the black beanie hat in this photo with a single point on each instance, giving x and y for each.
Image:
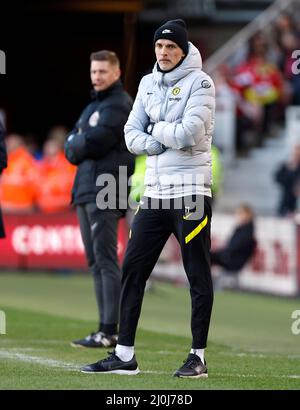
(174, 30)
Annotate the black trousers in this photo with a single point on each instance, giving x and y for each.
(221, 258)
(149, 232)
(99, 235)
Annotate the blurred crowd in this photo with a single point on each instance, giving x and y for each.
(36, 179)
(258, 76)
(42, 179)
(260, 79)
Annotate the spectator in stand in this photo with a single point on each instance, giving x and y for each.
(58, 133)
(258, 85)
(285, 24)
(55, 179)
(290, 42)
(288, 177)
(3, 165)
(17, 184)
(137, 179)
(241, 244)
(287, 39)
(217, 172)
(33, 147)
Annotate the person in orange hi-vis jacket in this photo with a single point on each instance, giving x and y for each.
(17, 191)
(55, 179)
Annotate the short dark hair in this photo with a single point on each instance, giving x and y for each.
(106, 55)
(247, 209)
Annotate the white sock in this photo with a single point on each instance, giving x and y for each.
(125, 353)
(199, 352)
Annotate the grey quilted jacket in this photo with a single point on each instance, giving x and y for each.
(181, 104)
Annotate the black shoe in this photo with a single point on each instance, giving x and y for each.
(112, 364)
(193, 368)
(98, 339)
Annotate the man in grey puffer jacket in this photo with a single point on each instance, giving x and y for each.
(172, 122)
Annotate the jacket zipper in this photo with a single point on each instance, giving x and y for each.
(156, 159)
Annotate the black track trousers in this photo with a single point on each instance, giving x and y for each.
(150, 230)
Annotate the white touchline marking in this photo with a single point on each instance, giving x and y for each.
(5, 354)
(24, 349)
(7, 341)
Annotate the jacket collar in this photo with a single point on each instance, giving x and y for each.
(100, 95)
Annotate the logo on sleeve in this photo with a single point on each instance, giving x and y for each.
(94, 118)
(205, 84)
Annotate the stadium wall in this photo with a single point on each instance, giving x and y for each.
(274, 268)
(47, 241)
(53, 241)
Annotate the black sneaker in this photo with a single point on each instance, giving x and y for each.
(98, 339)
(112, 364)
(193, 368)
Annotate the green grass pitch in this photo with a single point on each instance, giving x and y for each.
(251, 345)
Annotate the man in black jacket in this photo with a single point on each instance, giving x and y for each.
(3, 164)
(97, 146)
(288, 177)
(240, 246)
